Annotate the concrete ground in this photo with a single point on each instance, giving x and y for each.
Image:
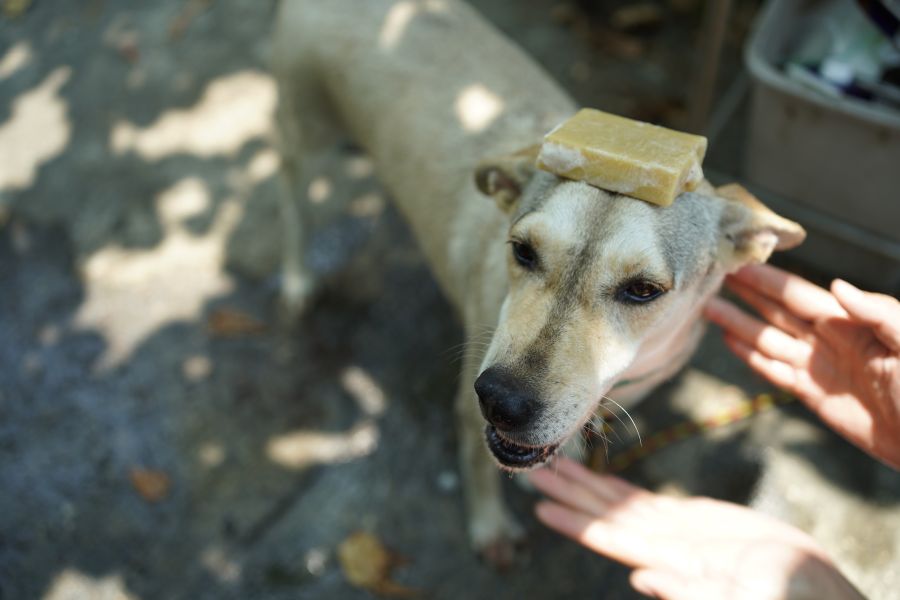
(162, 437)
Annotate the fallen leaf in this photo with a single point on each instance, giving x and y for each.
(367, 564)
(129, 50)
(229, 322)
(152, 485)
(15, 8)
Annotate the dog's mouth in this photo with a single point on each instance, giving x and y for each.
(513, 456)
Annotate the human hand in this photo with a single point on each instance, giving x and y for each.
(692, 548)
(837, 351)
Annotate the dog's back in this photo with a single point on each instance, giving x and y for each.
(427, 87)
(431, 73)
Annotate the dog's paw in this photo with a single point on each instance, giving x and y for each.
(497, 539)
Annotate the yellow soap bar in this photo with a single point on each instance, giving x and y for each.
(622, 155)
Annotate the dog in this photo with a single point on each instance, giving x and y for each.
(587, 293)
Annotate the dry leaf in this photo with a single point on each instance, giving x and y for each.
(367, 564)
(228, 322)
(15, 8)
(129, 50)
(152, 485)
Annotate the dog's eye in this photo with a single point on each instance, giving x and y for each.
(524, 255)
(639, 291)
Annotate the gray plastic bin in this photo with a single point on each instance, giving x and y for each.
(833, 161)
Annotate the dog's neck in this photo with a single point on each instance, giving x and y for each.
(641, 378)
(659, 360)
(660, 372)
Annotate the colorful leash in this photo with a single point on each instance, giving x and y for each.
(680, 432)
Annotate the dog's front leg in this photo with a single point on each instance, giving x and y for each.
(492, 530)
(306, 131)
(297, 282)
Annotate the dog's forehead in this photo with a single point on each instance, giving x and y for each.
(682, 236)
(572, 213)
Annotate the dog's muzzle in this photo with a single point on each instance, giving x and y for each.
(515, 456)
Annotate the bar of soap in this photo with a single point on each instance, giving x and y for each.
(630, 157)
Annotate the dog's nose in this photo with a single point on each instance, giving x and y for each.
(506, 403)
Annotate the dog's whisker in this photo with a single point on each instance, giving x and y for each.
(612, 429)
(627, 414)
(469, 344)
(458, 352)
(604, 439)
(601, 433)
(598, 425)
(589, 442)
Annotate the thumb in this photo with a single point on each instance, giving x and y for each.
(671, 586)
(878, 311)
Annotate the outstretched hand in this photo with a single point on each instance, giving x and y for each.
(837, 351)
(694, 548)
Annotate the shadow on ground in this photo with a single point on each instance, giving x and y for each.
(138, 215)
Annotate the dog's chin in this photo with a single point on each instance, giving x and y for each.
(512, 456)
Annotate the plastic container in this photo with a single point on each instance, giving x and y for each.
(833, 161)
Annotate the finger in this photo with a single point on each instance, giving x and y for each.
(618, 501)
(777, 372)
(803, 298)
(767, 339)
(568, 492)
(632, 547)
(612, 488)
(771, 311)
(845, 414)
(673, 586)
(878, 311)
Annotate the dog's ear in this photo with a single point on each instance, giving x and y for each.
(504, 177)
(751, 230)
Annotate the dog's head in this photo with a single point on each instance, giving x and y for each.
(597, 280)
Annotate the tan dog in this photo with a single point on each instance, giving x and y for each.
(588, 293)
